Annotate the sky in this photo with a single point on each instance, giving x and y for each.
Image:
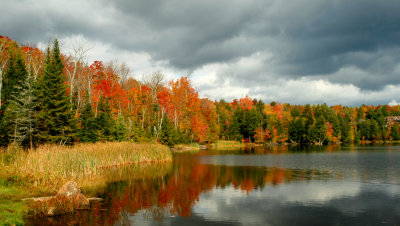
(298, 52)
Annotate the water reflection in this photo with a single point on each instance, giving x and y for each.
(275, 186)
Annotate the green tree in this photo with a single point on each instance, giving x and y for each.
(24, 109)
(251, 121)
(87, 132)
(120, 130)
(56, 118)
(17, 102)
(368, 129)
(318, 130)
(395, 132)
(105, 122)
(297, 130)
(168, 134)
(345, 129)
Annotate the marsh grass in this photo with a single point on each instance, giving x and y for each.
(227, 144)
(191, 148)
(43, 171)
(48, 167)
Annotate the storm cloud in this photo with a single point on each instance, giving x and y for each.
(272, 50)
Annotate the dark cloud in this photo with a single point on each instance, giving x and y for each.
(306, 38)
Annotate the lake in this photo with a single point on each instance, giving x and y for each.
(278, 185)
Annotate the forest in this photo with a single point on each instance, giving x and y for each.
(52, 97)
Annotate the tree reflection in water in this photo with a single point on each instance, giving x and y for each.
(174, 189)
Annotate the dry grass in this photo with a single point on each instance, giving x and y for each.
(49, 166)
(229, 145)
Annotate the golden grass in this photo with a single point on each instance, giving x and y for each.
(49, 166)
(227, 144)
(191, 148)
(230, 144)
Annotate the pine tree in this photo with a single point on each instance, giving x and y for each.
(318, 130)
(120, 130)
(104, 122)
(13, 108)
(5, 96)
(22, 109)
(168, 134)
(87, 132)
(296, 130)
(56, 118)
(345, 129)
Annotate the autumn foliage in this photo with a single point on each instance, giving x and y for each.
(152, 108)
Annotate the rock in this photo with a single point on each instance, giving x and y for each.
(68, 198)
(69, 190)
(80, 201)
(50, 211)
(41, 199)
(94, 199)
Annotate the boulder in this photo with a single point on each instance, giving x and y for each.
(68, 198)
(69, 190)
(81, 201)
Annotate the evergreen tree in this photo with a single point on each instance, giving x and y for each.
(105, 122)
(87, 132)
(236, 124)
(15, 108)
(345, 129)
(168, 134)
(368, 130)
(56, 117)
(8, 85)
(25, 113)
(295, 112)
(296, 130)
(251, 121)
(120, 130)
(395, 132)
(318, 130)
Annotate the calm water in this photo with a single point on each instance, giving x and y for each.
(332, 185)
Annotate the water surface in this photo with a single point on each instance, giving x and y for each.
(330, 185)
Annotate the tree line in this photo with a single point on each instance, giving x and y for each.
(50, 97)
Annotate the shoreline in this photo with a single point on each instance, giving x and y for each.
(41, 172)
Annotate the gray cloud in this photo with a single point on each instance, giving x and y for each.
(341, 42)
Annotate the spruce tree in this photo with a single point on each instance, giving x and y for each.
(296, 130)
(56, 118)
(5, 96)
(87, 132)
(14, 81)
(318, 131)
(168, 134)
(104, 122)
(21, 111)
(120, 130)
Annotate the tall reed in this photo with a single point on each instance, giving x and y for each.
(50, 165)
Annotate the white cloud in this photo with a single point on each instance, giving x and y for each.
(393, 103)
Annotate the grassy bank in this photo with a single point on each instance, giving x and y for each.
(48, 167)
(191, 148)
(218, 145)
(229, 144)
(12, 208)
(43, 171)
